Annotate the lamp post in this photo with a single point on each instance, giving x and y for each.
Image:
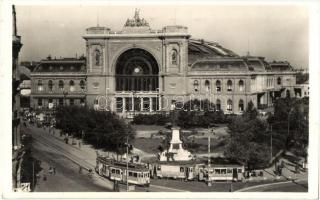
(127, 162)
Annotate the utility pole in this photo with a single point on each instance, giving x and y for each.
(33, 186)
(271, 142)
(127, 163)
(209, 160)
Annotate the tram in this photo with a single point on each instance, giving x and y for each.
(224, 173)
(138, 174)
(188, 170)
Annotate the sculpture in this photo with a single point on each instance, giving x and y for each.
(136, 21)
(97, 56)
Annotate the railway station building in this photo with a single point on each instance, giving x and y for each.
(140, 70)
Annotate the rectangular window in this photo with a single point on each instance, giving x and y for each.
(239, 170)
(113, 171)
(223, 171)
(135, 174)
(39, 102)
(60, 101)
(229, 171)
(217, 171)
(72, 102)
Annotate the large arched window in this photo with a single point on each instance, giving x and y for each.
(229, 105)
(71, 86)
(229, 85)
(218, 86)
(136, 70)
(61, 85)
(174, 57)
(241, 86)
(40, 85)
(207, 85)
(241, 105)
(50, 85)
(196, 85)
(218, 104)
(279, 81)
(82, 85)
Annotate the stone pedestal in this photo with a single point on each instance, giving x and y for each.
(176, 151)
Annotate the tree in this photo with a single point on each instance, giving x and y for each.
(103, 129)
(290, 123)
(248, 142)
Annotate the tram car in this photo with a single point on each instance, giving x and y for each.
(178, 170)
(138, 174)
(224, 173)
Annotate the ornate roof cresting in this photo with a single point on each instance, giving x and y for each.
(136, 21)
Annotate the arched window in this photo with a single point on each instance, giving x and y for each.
(50, 85)
(229, 85)
(241, 105)
(207, 85)
(241, 86)
(40, 85)
(218, 86)
(279, 81)
(196, 85)
(218, 104)
(61, 85)
(229, 105)
(82, 85)
(174, 57)
(71, 85)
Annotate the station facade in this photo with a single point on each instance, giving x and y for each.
(140, 70)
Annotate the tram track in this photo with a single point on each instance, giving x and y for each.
(49, 141)
(75, 159)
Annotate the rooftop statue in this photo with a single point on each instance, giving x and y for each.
(136, 21)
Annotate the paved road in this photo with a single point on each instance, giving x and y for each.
(289, 186)
(66, 178)
(59, 150)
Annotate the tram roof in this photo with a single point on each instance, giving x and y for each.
(122, 165)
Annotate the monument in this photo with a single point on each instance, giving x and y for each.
(176, 151)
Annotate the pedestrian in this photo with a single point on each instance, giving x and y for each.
(80, 169)
(54, 170)
(79, 144)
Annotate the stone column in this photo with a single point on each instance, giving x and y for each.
(150, 104)
(132, 103)
(123, 104)
(141, 104)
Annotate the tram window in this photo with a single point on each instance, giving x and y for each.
(217, 171)
(113, 170)
(117, 171)
(239, 170)
(130, 173)
(135, 174)
(223, 171)
(229, 171)
(181, 169)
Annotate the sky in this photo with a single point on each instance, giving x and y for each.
(276, 32)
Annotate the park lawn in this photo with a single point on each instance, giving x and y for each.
(150, 145)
